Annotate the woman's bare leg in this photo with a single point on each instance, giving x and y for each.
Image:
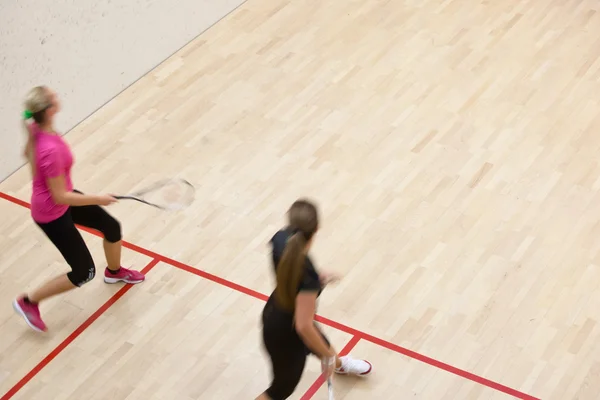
(55, 286)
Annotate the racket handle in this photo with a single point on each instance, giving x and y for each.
(330, 388)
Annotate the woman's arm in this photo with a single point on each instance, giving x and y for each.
(61, 195)
(329, 277)
(304, 321)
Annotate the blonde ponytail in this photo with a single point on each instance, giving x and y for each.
(36, 103)
(29, 150)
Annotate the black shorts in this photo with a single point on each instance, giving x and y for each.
(67, 239)
(286, 349)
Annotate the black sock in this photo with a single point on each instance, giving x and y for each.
(27, 301)
(114, 272)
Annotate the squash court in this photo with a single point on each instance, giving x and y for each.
(452, 148)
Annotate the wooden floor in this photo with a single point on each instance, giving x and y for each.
(453, 148)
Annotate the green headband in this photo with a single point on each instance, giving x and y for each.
(27, 114)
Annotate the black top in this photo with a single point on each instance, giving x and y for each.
(310, 280)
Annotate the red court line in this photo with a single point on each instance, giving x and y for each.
(14, 200)
(326, 321)
(427, 360)
(362, 335)
(211, 277)
(80, 329)
(321, 380)
(160, 257)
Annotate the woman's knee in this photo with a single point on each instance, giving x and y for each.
(112, 230)
(280, 391)
(286, 375)
(82, 273)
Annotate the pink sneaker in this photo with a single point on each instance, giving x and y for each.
(351, 366)
(124, 275)
(31, 313)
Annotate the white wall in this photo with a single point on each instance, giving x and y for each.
(88, 52)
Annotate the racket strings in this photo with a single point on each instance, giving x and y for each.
(171, 195)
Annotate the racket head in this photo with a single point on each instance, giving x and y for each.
(169, 194)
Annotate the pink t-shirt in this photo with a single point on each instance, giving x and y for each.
(53, 158)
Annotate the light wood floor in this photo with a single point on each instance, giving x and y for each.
(452, 147)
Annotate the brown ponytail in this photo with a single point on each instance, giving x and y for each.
(303, 221)
(289, 271)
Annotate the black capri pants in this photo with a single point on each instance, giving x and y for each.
(286, 349)
(68, 240)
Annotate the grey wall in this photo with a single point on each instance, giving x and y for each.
(88, 52)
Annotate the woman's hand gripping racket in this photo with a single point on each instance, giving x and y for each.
(169, 194)
(327, 368)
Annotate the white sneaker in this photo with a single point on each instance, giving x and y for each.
(350, 366)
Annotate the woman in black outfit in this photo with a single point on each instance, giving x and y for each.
(289, 331)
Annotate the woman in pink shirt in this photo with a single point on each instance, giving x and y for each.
(56, 207)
